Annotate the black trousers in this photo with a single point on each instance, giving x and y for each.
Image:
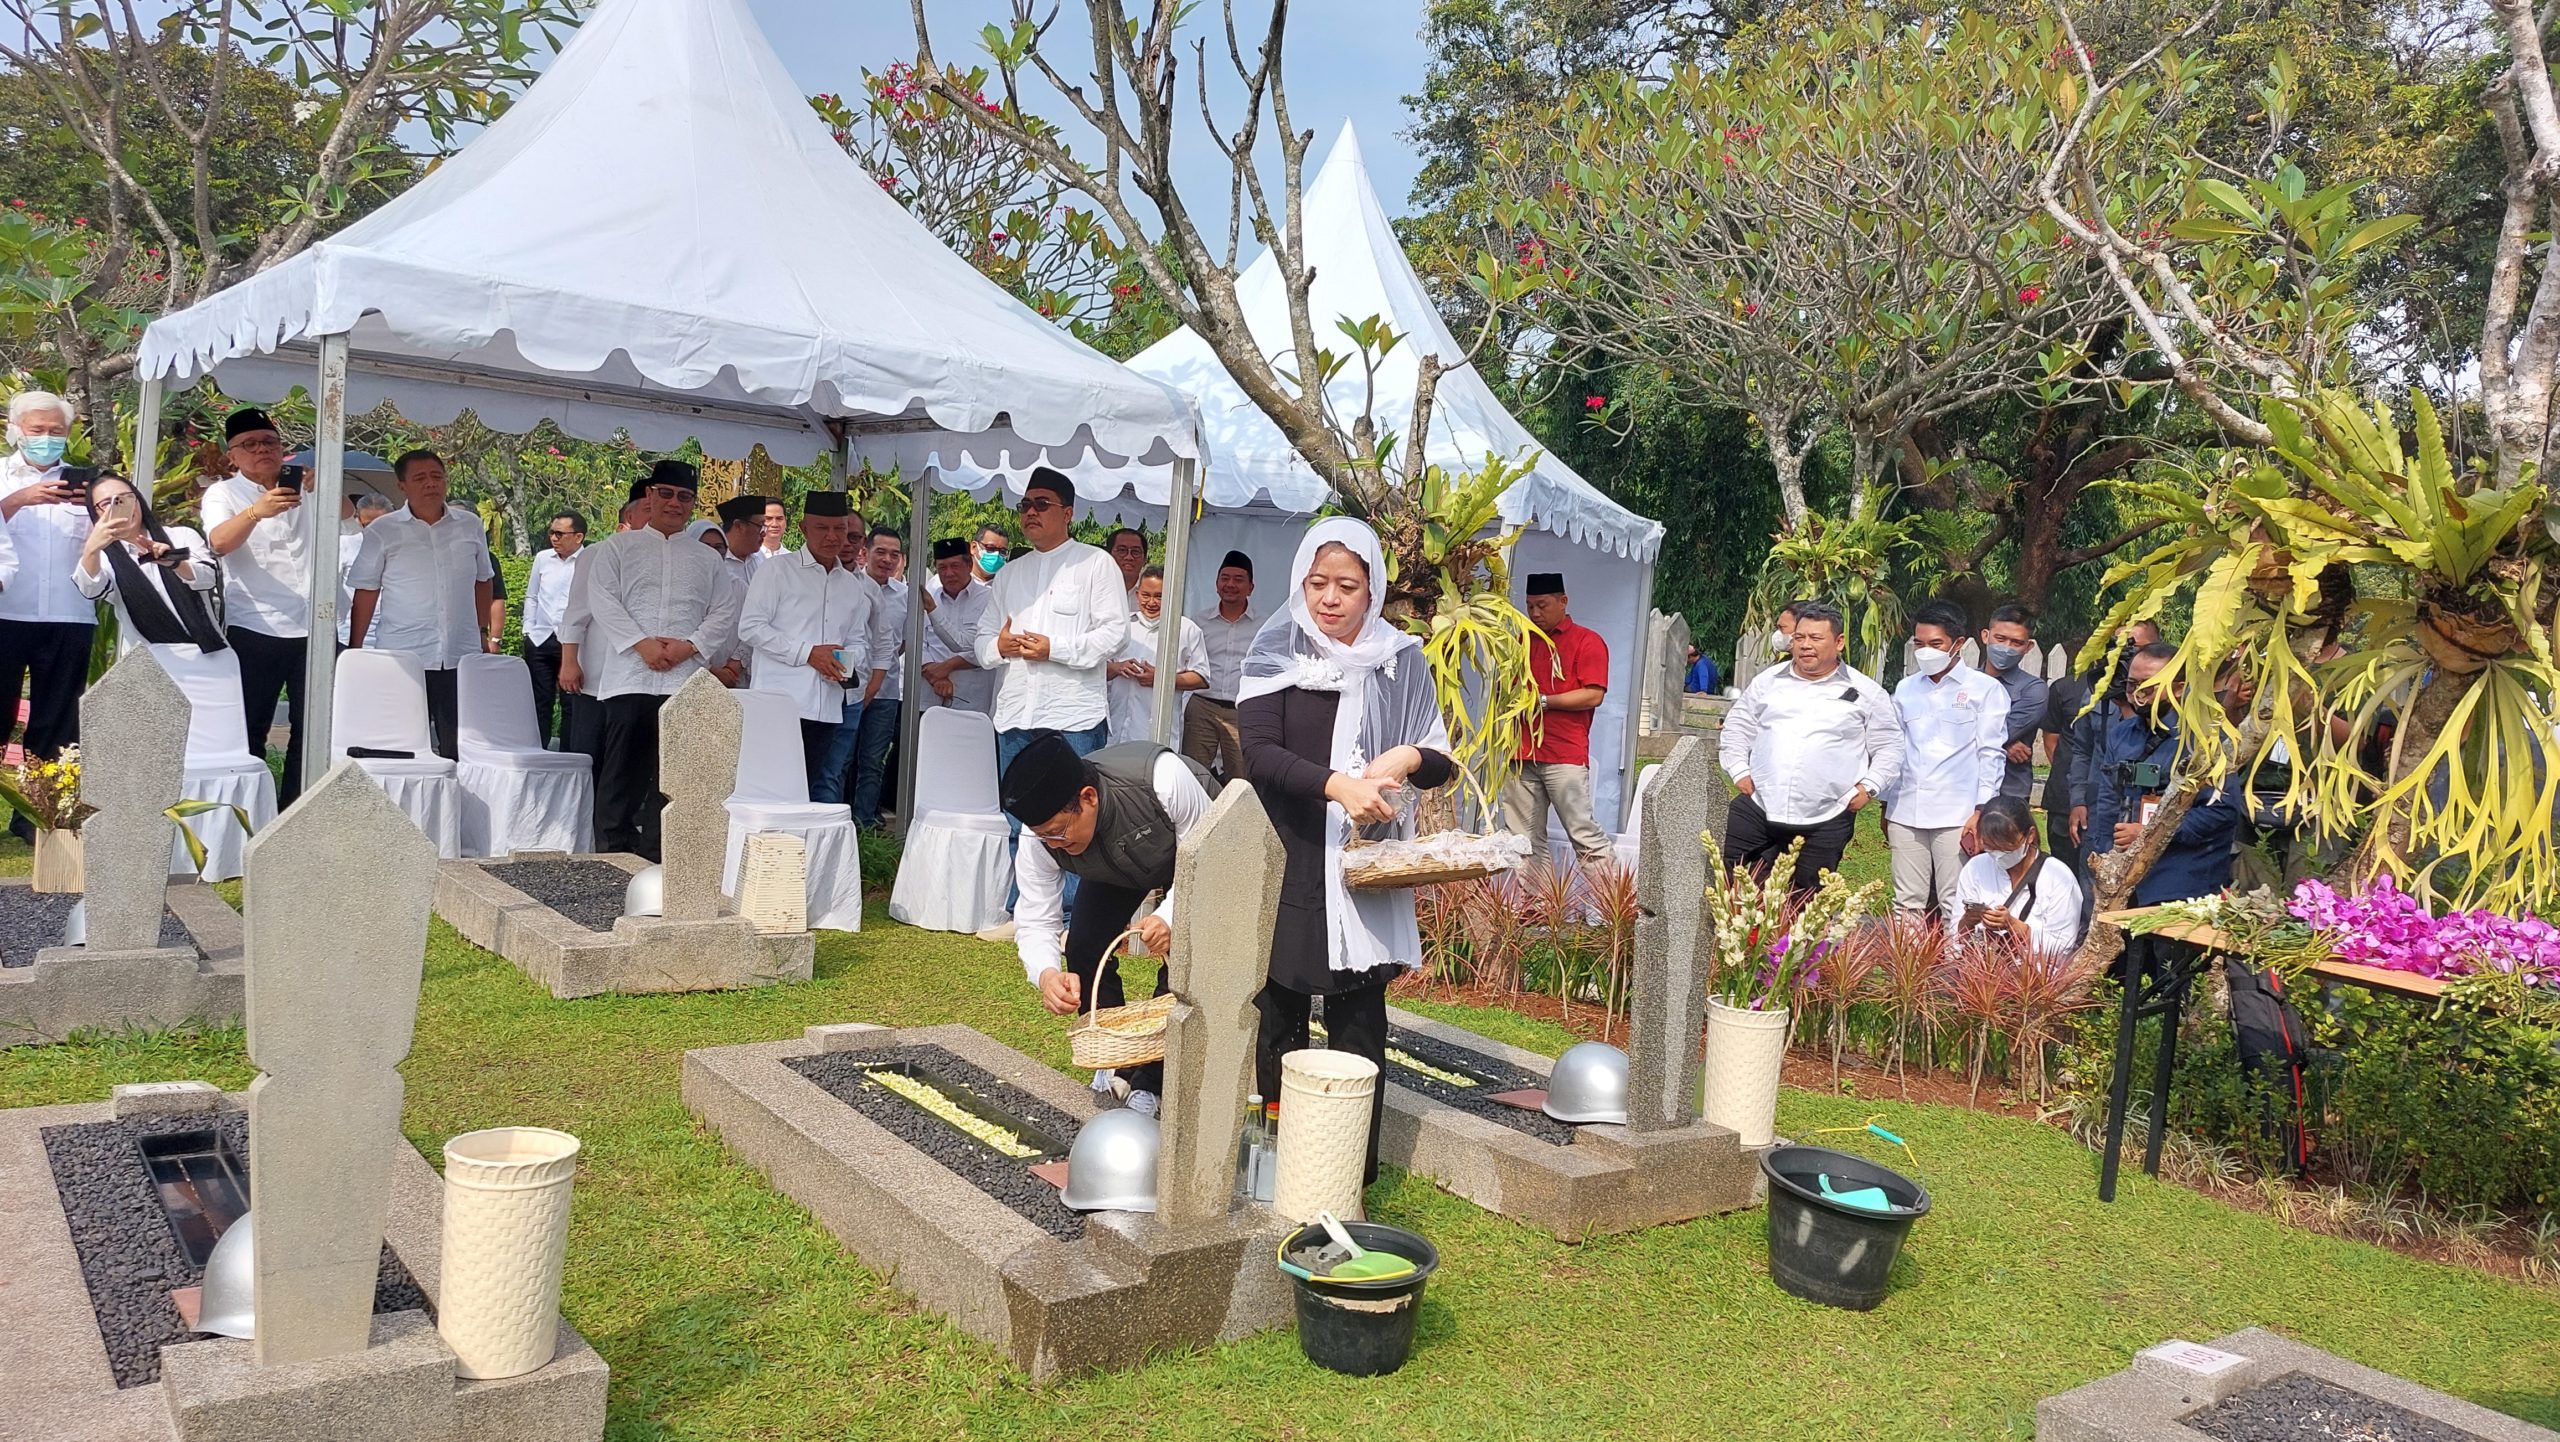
(272, 666)
(627, 798)
(582, 725)
(1354, 1021)
(1099, 914)
(2057, 840)
(544, 662)
(1754, 840)
(50, 661)
(444, 713)
(815, 738)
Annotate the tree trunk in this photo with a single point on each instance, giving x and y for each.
(1788, 458)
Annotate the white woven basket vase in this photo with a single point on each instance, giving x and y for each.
(1744, 1052)
(506, 1231)
(1325, 1098)
(773, 883)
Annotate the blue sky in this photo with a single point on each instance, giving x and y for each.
(1350, 60)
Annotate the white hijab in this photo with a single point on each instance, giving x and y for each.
(1387, 701)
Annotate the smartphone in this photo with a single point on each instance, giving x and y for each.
(1973, 914)
(79, 478)
(290, 476)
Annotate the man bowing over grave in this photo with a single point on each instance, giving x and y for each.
(1113, 820)
(658, 604)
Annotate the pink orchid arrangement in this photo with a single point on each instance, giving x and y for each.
(2383, 926)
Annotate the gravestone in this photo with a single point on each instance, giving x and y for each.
(1226, 881)
(1671, 676)
(700, 732)
(1674, 941)
(333, 974)
(133, 768)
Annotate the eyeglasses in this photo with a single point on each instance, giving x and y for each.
(669, 493)
(556, 535)
(1037, 505)
(255, 444)
(1051, 838)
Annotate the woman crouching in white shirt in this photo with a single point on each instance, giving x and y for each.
(2013, 889)
(155, 575)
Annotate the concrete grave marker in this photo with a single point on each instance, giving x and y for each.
(133, 767)
(1671, 678)
(1675, 942)
(1226, 884)
(333, 973)
(700, 732)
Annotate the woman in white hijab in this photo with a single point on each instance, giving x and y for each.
(1340, 722)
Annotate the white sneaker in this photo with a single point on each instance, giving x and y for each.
(1001, 931)
(1144, 1103)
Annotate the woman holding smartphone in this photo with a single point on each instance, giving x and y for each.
(155, 575)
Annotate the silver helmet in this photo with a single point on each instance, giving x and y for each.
(647, 893)
(229, 1308)
(1589, 1084)
(1112, 1166)
(75, 924)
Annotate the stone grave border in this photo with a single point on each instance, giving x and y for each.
(400, 1387)
(73, 988)
(639, 955)
(1130, 1288)
(2148, 1401)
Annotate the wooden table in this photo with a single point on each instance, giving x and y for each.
(2372, 978)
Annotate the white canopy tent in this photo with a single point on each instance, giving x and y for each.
(1256, 492)
(662, 239)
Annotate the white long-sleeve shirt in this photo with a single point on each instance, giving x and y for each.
(1226, 643)
(90, 588)
(47, 541)
(889, 640)
(1955, 733)
(9, 559)
(951, 629)
(640, 584)
(1040, 925)
(795, 605)
(546, 594)
(424, 578)
(2053, 921)
(1133, 705)
(266, 580)
(1070, 594)
(1806, 745)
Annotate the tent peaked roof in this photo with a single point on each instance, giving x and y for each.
(661, 227)
(1361, 271)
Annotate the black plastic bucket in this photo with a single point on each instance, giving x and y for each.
(1364, 1329)
(1825, 1250)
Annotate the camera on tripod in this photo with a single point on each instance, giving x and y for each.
(2140, 775)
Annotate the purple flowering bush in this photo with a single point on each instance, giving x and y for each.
(2383, 926)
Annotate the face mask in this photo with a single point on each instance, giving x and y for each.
(43, 451)
(1778, 642)
(1931, 660)
(2004, 657)
(988, 562)
(2009, 858)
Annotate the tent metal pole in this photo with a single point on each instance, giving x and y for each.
(144, 464)
(311, 703)
(1177, 566)
(919, 567)
(840, 474)
(1631, 736)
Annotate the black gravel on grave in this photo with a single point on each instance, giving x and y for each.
(128, 1255)
(587, 892)
(1494, 1076)
(2297, 1407)
(31, 920)
(843, 1075)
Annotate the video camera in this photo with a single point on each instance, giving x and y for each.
(2140, 775)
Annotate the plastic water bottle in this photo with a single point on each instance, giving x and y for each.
(1249, 1152)
(1269, 1171)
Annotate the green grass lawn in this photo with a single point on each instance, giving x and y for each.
(726, 1313)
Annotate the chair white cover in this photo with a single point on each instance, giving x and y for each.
(219, 766)
(516, 796)
(956, 868)
(381, 705)
(773, 795)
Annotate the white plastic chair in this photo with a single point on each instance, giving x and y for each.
(1631, 840)
(956, 868)
(516, 796)
(219, 766)
(773, 795)
(381, 705)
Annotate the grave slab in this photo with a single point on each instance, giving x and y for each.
(639, 954)
(85, 988)
(58, 1386)
(2171, 1393)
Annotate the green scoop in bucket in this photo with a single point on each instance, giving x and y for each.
(1363, 1266)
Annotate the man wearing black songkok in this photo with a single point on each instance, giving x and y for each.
(1209, 733)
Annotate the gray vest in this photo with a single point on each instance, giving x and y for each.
(1133, 838)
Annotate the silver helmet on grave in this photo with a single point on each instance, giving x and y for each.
(1112, 1166)
(229, 1306)
(647, 893)
(1589, 1084)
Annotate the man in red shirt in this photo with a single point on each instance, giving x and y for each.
(1571, 665)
